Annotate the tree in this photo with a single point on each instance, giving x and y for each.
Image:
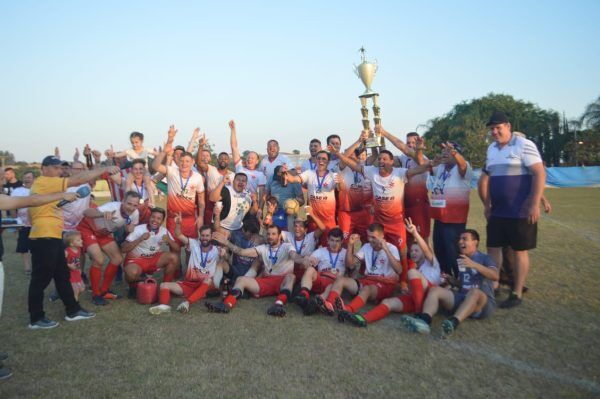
(296, 152)
(6, 158)
(465, 123)
(591, 115)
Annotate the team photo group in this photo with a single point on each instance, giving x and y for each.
(347, 227)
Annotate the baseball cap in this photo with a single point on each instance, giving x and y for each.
(497, 118)
(51, 160)
(179, 148)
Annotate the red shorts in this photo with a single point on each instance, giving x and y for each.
(408, 304)
(89, 236)
(385, 286)
(269, 285)
(148, 264)
(188, 287)
(354, 223)
(396, 235)
(420, 217)
(188, 227)
(323, 280)
(299, 272)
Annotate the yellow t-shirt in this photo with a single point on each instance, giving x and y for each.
(47, 220)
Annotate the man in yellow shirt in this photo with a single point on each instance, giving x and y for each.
(47, 248)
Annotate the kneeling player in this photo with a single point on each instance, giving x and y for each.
(420, 279)
(205, 270)
(144, 256)
(475, 297)
(277, 278)
(329, 263)
(382, 268)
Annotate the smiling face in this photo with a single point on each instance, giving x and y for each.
(27, 179)
(239, 183)
(313, 148)
(137, 170)
(130, 204)
(252, 160)
(416, 254)
(299, 230)
(136, 143)
(386, 163)
(273, 236)
(501, 133)
(467, 244)
(223, 161)
(205, 237)
(322, 160)
(52, 170)
(374, 238)
(156, 220)
(335, 143)
(205, 157)
(272, 149)
(185, 163)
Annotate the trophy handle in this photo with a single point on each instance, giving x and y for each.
(355, 69)
(376, 66)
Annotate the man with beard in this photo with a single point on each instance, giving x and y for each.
(143, 251)
(212, 176)
(303, 241)
(256, 179)
(311, 163)
(205, 270)
(140, 181)
(277, 259)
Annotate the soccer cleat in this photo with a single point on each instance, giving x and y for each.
(355, 319)
(311, 307)
(447, 328)
(81, 314)
(43, 324)
(276, 310)
(416, 325)
(109, 295)
(158, 309)
(301, 301)
(5, 373)
(99, 300)
(512, 301)
(217, 307)
(323, 305)
(338, 304)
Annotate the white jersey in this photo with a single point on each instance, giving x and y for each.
(334, 165)
(304, 247)
(308, 165)
(377, 262)
(150, 246)
(256, 178)
(143, 154)
(73, 211)
(239, 205)
(142, 190)
(277, 260)
(22, 213)
(201, 264)
(118, 220)
(268, 167)
(330, 262)
(431, 271)
(213, 178)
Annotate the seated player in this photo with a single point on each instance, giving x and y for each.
(277, 278)
(326, 264)
(382, 268)
(205, 270)
(425, 275)
(474, 297)
(143, 251)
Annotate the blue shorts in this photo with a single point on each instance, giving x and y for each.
(487, 310)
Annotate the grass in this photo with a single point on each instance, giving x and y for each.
(550, 346)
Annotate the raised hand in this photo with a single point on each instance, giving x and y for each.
(177, 218)
(420, 143)
(410, 227)
(172, 132)
(232, 124)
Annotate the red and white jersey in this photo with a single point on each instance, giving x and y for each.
(415, 191)
(117, 191)
(268, 167)
(450, 194)
(357, 192)
(276, 261)
(377, 262)
(329, 261)
(213, 178)
(308, 165)
(201, 264)
(321, 194)
(388, 194)
(304, 247)
(73, 211)
(181, 193)
(119, 220)
(256, 178)
(150, 246)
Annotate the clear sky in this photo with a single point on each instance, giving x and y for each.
(76, 72)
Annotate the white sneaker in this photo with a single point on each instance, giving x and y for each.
(158, 309)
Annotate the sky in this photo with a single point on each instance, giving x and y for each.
(77, 72)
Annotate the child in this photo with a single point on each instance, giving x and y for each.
(74, 243)
(137, 150)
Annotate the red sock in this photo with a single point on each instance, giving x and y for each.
(377, 313)
(167, 278)
(281, 298)
(109, 275)
(95, 277)
(356, 304)
(332, 295)
(230, 301)
(199, 293)
(416, 291)
(305, 293)
(165, 296)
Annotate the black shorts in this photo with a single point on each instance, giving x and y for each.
(515, 233)
(23, 244)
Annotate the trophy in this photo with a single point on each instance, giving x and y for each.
(366, 72)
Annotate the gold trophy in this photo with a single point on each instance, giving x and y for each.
(366, 72)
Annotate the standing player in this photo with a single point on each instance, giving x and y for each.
(311, 163)
(256, 178)
(336, 142)
(143, 251)
(277, 259)
(97, 230)
(205, 270)
(273, 160)
(382, 268)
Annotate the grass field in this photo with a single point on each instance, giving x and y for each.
(548, 347)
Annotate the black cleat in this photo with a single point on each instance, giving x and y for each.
(339, 305)
(301, 301)
(311, 307)
(276, 310)
(217, 307)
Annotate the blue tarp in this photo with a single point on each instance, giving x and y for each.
(563, 176)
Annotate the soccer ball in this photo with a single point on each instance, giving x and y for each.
(291, 206)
